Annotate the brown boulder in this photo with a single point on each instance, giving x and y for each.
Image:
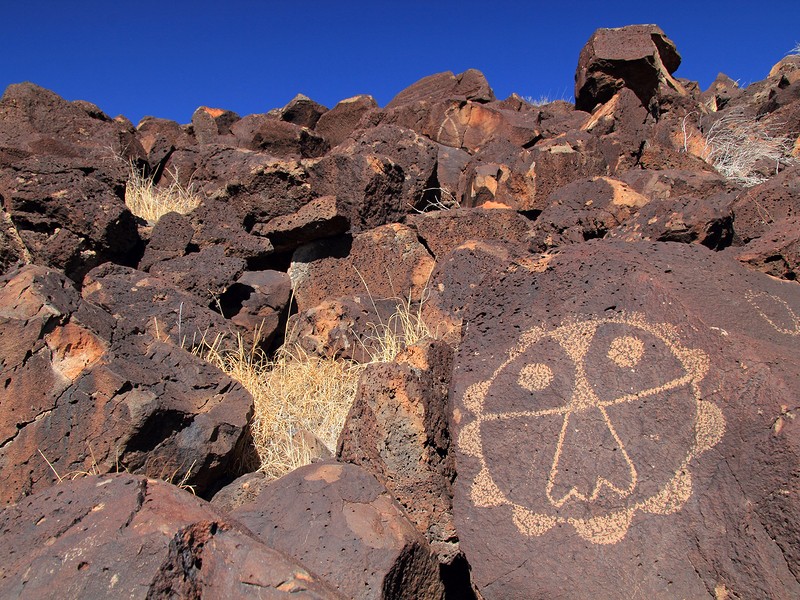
(213, 125)
(257, 303)
(132, 537)
(302, 111)
(583, 210)
(385, 262)
(68, 216)
(170, 238)
(159, 138)
(777, 251)
(469, 85)
(278, 138)
(397, 430)
(757, 208)
(320, 218)
(444, 230)
(368, 187)
(83, 394)
(622, 421)
(639, 57)
(207, 274)
(337, 519)
(338, 123)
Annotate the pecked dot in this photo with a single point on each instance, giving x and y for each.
(626, 351)
(535, 377)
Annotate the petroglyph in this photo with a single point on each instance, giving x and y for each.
(608, 416)
(775, 311)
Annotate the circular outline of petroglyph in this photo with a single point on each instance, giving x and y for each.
(752, 298)
(576, 338)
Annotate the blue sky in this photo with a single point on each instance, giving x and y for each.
(166, 59)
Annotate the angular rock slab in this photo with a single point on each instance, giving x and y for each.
(338, 519)
(121, 536)
(617, 431)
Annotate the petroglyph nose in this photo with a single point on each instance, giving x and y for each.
(583, 398)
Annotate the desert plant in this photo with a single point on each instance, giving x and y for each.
(436, 199)
(150, 203)
(737, 145)
(297, 392)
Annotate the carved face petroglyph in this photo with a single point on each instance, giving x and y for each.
(605, 415)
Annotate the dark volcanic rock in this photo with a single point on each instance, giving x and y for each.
(278, 138)
(385, 262)
(340, 522)
(469, 85)
(207, 273)
(83, 394)
(639, 57)
(213, 125)
(397, 430)
(68, 216)
(170, 238)
(757, 208)
(624, 420)
(132, 537)
(302, 111)
(340, 121)
(777, 251)
(318, 219)
(256, 304)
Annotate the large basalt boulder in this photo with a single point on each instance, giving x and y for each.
(303, 111)
(397, 430)
(133, 537)
(213, 125)
(340, 522)
(369, 187)
(757, 208)
(444, 230)
(777, 251)
(69, 216)
(41, 122)
(623, 420)
(84, 393)
(385, 262)
(338, 123)
(257, 304)
(639, 57)
(584, 210)
(469, 85)
(413, 153)
(278, 138)
(321, 218)
(207, 274)
(159, 138)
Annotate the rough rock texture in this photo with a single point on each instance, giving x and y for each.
(125, 536)
(340, 121)
(83, 395)
(397, 430)
(756, 209)
(257, 303)
(617, 427)
(777, 251)
(444, 230)
(340, 522)
(68, 216)
(320, 218)
(469, 85)
(303, 111)
(386, 262)
(639, 57)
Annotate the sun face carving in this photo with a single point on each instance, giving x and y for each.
(588, 423)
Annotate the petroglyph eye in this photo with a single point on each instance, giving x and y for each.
(626, 351)
(535, 377)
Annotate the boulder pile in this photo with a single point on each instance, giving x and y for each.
(607, 405)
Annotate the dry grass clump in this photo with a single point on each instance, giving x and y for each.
(738, 146)
(150, 203)
(297, 392)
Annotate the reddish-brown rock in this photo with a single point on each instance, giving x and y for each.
(639, 57)
(278, 138)
(385, 262)
(397, 430)
(622, 421)
(83, 394)
(68, 216)
(757, 208)
(338, 123)
(443, 230)
(207, 274)
(257, 303)
(132, 537)
(320, 218)
(303, 111)
(777, 251)
(213, 125)
(340, 522)
(469, 85)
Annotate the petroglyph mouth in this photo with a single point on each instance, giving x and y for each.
(606, 392)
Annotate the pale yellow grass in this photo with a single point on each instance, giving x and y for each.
(150, 203)
(298, 392)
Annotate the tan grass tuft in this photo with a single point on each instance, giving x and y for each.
(150, 203)
(297, 391)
